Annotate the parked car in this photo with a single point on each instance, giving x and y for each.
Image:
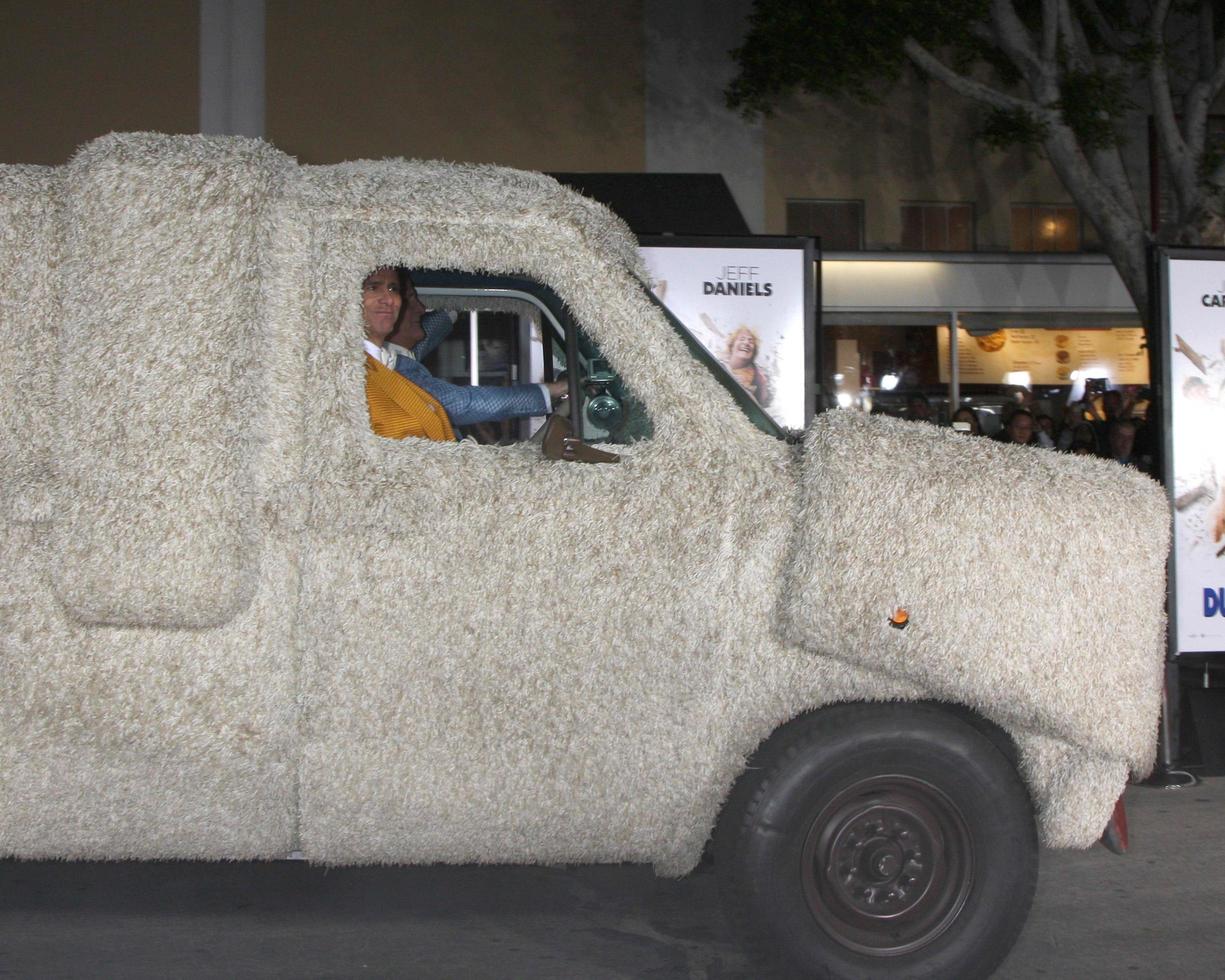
(237, 624)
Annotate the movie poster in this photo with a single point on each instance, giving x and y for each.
(748, 307)
(1195, 359)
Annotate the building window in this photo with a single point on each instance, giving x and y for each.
(937, 227)
(839, 224)
(1045, 228)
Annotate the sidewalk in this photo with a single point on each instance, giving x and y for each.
(1157, 912)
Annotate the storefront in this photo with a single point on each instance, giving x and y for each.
(1030, 329)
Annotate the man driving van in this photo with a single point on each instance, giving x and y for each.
(464, 404)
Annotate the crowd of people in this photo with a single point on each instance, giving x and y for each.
(1104, 424)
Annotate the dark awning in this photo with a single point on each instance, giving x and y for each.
(664, 204)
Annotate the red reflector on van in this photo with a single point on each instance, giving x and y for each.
(1114, 837)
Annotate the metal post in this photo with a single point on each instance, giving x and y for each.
(1165, 776)
(954, 375)
(1158, 340)
(474, 350)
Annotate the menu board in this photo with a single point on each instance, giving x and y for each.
(1049, 355)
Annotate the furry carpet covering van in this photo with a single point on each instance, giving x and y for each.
(235, 623)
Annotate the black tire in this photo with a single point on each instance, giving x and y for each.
(879, 840)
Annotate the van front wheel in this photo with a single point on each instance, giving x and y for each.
(879, 840)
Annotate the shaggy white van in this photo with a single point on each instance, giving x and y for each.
(238, 624)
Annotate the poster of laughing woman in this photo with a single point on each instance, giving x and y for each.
(749, 308)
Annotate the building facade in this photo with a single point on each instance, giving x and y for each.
(633, 86)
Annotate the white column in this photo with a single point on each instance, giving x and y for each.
(232, 67)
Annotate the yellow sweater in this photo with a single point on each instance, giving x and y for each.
(399, 408)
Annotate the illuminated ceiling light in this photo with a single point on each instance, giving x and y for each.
(889, 381)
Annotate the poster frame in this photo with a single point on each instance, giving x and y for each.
(1161, 258)
(812, 284)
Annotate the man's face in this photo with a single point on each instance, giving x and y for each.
(1021, 428)
(381, 302)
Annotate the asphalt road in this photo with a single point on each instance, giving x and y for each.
(1157, 913)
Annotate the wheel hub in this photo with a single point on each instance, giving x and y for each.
(879, 861)
(887, 865)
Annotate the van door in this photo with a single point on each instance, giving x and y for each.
(509, 657)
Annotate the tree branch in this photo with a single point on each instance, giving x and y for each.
(1113, 38)
(1198, 102)
(983, 34)
(1104, 178)
(1185, 147)
(1074, 41)
(1209, 79)
(1156, 20)
(1122, 228)
(1174, 149)
(968, 87)
(1013, 37)
(1050, 30)
(1107, 163)
(1215, 78)
(1207, 42)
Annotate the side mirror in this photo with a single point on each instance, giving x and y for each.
(604, 412)
(603, 409)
